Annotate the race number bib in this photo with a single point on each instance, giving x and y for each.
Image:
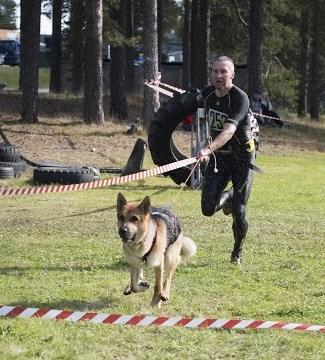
(216, 120)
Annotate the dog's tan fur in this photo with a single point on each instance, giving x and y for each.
(146, 236)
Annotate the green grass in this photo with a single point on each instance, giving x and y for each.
(10, 76)
(62, 251)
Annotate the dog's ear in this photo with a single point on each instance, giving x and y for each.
(145, 205)
(121, 202)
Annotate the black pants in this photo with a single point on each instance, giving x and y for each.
(231, 167)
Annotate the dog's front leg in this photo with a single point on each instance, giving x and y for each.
(159, 274)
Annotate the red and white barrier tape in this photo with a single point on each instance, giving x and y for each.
(181, 91)
(98, 183)
(163, 91)
(145, 320)
(156, 86)
(266, 116)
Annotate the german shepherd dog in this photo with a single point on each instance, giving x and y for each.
(151, 237)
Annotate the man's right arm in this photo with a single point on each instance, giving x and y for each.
(219, 141)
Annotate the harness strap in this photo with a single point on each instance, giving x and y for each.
(146, 255)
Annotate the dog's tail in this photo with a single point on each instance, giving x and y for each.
(188, 247)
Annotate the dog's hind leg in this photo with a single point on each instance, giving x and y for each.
(142, 282)
(172, 259)
(159, 274)
(137, 284)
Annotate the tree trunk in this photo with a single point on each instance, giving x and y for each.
(315, 62)
(160, 29)
(194, 42)
(129, 51)
(151, 97)
(186, 46)
(119, 108)
(93, 96)
(203, 50)
(303, 64)
(255, 67)
(30, 40)
(200, 25)
(56, 53)
(77, 34)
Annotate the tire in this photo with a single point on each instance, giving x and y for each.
(49, 175)
(9, 153)
(162, 148)
(6, 172)
(19, 166)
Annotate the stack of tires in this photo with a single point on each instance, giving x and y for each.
(11, 164)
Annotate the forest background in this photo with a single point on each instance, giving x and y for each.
(280, 44)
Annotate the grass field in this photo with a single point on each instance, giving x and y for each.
(10, 76)
(62, 251)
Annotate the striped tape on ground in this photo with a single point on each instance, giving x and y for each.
(98, 183)
(145, 320)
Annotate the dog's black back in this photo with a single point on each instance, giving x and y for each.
(172, 223)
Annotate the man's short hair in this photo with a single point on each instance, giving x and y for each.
(222, 58)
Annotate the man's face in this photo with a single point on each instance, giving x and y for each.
(222, 73)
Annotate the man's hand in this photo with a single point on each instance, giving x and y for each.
(203, 154)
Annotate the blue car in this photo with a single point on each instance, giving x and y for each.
(10, 49)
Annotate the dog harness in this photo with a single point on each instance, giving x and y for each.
(173, 228)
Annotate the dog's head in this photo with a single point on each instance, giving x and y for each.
(132, 219)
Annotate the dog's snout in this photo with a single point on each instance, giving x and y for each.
(124, 232)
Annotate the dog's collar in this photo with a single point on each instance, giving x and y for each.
(146, 255)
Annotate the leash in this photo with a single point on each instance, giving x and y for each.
(185, 182)
(7, 191)
(172, 202)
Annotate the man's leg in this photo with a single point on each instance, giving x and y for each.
(213, 195)
(242, 182)
(227, 206)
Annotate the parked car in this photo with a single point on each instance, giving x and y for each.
(10, 51)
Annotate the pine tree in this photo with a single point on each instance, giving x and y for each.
(30, 40)
(8, 14)
(93, 94)
(151, 97)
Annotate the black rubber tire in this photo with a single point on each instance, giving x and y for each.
(18, 166)
(6, 172)
(49, 175)
(9, 153)
(162, 148)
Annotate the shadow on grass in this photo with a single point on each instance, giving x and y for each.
(117, 266)
(72, 305)
(100, 210)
